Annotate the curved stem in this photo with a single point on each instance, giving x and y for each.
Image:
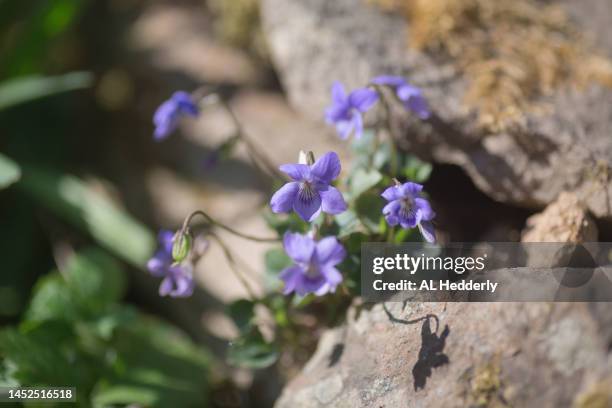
(233, 265)
(253, 149)
(216, 223)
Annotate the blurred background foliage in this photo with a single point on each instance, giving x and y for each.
(70, 248)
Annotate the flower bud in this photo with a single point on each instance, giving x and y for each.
(302, 157)
(181, 246)
(306, 158)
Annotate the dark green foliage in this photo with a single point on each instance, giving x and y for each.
(76, 333)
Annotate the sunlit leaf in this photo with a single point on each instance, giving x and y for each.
(95, 277)
(365, 143)
(89, 283)
(362, 180)
(347, 223)
(275, 260)
(25, 89)
(52, 300)
(70, 198)
(282, 223)
(302, 301)
(416, 170)
(9, 172)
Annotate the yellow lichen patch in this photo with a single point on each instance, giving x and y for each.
(486, 386)
(598, 395)
(512, 51)
(238, 23)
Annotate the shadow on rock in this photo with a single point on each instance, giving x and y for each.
(431, 353)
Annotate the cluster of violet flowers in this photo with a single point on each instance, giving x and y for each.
(309, 192)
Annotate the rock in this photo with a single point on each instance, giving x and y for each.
(565, 147)
(176, 38)
(564, 220)
(458, 354)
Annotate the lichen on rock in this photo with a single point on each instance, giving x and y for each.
(513, 51)
(564, 220)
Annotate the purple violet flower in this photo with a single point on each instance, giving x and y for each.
(167, 115)
(346, 111)
(411, 96)
(178, 279)
(314, 269)
(310, 192)
(408, 209)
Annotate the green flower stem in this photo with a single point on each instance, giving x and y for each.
(387, 119)
(391, 234)
(215, 223)
(375, 147)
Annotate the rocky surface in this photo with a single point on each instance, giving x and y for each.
(565, 147)
(460, 354)
(564, 220)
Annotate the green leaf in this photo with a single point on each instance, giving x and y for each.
(364, 144)
(348, 223)
(89, 284)
(277, 304)
(242, 313)
(302, 301)
(95, 277)
(117, 317)
(369, 210)
(282, 223)
(25, 89)
(126, 394)
(382, 156)
(71, 199)
(34, 27)
(9, 172)
(252, 351)
(52, 300)
(275, 260)
(369, 154)
(416, 170)
(36, 363)
(351, 267)
(156, 365)
(362, 180)
(109, 352)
